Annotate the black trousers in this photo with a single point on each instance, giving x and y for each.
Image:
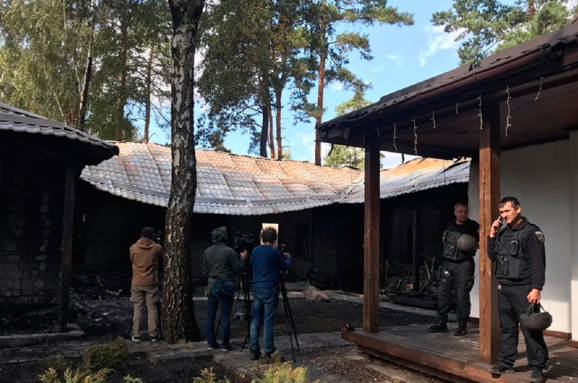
(513, 301)
(461, 276)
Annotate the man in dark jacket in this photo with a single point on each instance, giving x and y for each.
(146, 257)
(517, 248)
(221, 264)
(457, 271)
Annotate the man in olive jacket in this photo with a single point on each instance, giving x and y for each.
(221, 264)
(146, 257)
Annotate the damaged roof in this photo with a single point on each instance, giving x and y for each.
(416, 175)
(233, 184)
(20, 121)
(227, 183)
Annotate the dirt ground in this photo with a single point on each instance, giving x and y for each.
(103, 313)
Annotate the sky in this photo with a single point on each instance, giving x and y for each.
(402, 56)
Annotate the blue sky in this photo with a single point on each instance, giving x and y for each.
(402, 56)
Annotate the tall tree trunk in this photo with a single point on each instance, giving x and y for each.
(320, 89)
(178, 318)
(531, 9)
(264, 130)
(84, 94)
(148, 94)
(87, 74)
(271, 137)
(278, 94)
(122, 58)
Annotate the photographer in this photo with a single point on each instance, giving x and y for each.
(220, 263)
(268, 264)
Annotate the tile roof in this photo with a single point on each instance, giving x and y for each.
(21, 121)
(243, 185)
(227, 183)
(413, 176)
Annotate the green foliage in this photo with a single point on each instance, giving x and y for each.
(284, 373)
(341, 155)
(44, 50)
(487, 26)
(78, 376)
(208, 376)
(130, 379)
(110, 355)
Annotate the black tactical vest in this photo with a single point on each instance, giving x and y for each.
(451, 250)
(512, 259)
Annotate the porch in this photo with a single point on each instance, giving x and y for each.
(457, 358)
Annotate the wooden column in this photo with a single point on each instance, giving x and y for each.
(67, 238)
(489, 185)
(415, 247)
(371, 237)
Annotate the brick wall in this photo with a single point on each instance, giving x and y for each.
(31, 212)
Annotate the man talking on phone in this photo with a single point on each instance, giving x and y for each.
(517, 247)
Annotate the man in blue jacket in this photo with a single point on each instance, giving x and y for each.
(268, 264)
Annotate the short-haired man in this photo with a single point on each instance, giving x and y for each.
(457, 271)
(268, 264)
(146, 257)
(520, 256)
(221, 264)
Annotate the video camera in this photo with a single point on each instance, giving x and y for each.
(243, 241)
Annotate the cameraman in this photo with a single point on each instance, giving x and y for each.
(268, 264)
(220, 263)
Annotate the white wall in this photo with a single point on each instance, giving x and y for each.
(573, 154)
(540, 177)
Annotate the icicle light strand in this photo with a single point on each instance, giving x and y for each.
(415, 136)
(480, 114)
(509, 116)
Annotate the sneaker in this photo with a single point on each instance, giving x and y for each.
(213, 347)
(155, 338)
(537, 375)
(255, 354)
(227, 348)
(501, 368)
(136, 339)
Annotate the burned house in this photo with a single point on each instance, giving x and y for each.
(319, 209)
(40, 162)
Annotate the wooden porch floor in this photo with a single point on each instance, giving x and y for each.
(456, 358)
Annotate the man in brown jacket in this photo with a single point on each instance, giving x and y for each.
(146, 257)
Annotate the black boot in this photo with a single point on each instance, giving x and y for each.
(440, 326)
(462, 328)
(537, 375)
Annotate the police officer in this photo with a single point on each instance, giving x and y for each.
(457, 270)
(520, 263)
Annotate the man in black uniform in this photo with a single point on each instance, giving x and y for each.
(518, 250)
(457, 270)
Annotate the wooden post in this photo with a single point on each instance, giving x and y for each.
(371, 237)
(489, 184)
(415, 249)
(67, 238)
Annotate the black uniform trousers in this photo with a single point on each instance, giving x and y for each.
(461, 275)
(513, 301)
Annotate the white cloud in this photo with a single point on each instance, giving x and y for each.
(394, 159)
(438, 40)
(398, 58)
(337, 86)
(380, 68)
